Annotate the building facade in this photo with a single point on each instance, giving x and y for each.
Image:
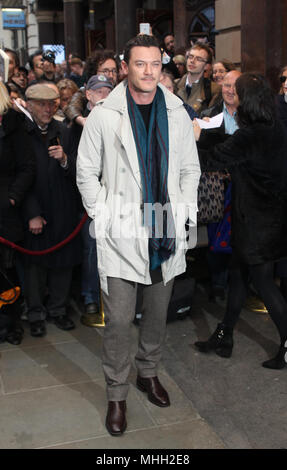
(250, 33)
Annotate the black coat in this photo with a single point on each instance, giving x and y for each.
(54, 196)
(282, 109)
(17, 173)
(256, 158)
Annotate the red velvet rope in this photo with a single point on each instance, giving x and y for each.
(47, 250)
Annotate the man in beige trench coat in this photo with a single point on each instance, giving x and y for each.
(138, 155)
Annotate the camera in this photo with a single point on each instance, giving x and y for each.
(49, 56)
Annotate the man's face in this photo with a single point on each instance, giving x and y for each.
(38, 66)
(229, 94)
(109, 69)
(49, 67)
(93, 96)
(42, 111)
(20, 78)
(169, 43)
(143, 69)
(196, 60)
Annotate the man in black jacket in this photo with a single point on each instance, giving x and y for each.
(51, 215)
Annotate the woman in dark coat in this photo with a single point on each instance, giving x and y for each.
(281, 98)
(281, 102)
(17, 172)
(255, 156)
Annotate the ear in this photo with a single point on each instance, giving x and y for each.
(124, 67)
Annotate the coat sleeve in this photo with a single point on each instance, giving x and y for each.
(229, 154)
(76, 106)
(25, 166)
(189, 169)
(89, 162)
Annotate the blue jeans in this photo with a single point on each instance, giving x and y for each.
(90, 275)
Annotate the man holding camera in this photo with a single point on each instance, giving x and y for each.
(51, 215)
(49, 66)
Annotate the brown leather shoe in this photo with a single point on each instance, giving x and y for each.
(155, 392)
(116, 417)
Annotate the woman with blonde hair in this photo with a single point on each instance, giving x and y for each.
(66, 88)
(17, 170)
(5, 102)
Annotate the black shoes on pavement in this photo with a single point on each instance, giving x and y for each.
(221, 341)
(280, 360)
(116, 423)
(38, 328)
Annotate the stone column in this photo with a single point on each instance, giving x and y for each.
(45, 19)
(228, 24)
(74, 27)
(179, 23)
(264, 37)
(125, 22)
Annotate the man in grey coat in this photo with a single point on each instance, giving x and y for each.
(138, 154)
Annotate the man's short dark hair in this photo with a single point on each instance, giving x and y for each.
(203, 47)
(96, 60)
(167, 34)
(31, 58)
(142, 40)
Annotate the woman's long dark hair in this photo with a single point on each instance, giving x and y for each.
(256, 100)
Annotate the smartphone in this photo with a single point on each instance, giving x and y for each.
(145, 28)
(54, 141)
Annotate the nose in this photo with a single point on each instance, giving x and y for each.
(148, 69)
(49, 105)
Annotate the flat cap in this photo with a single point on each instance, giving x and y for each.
(41, 92)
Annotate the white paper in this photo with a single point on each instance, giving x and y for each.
(213, 122)
(23, 110)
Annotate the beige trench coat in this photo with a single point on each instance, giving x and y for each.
(109, 180)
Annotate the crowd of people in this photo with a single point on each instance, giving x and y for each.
(116, 134)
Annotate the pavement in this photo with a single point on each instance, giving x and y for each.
(52, 389)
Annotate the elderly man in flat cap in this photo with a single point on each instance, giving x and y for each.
(51, 215)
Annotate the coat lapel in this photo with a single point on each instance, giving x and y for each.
(127, 141)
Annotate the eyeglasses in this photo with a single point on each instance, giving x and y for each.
(196, 58)
(107, 71)
(283, 79)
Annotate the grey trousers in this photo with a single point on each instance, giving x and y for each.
(119, 311)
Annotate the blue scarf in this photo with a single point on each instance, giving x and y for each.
(153, 153)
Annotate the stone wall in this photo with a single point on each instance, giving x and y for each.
(228, 25)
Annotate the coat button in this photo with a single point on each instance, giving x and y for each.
(122, 170)
(121, 193)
